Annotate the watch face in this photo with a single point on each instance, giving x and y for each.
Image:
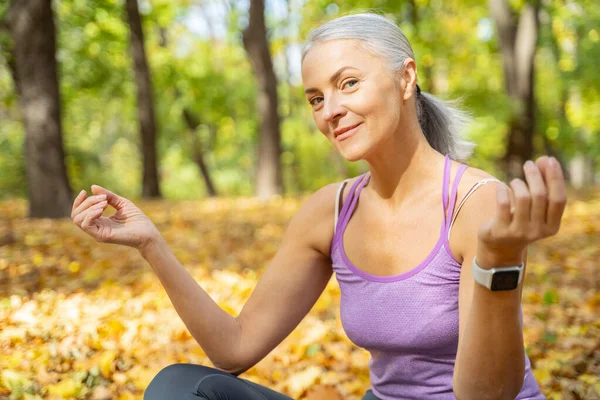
(505, 280)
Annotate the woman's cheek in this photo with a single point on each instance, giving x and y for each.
(322, 127)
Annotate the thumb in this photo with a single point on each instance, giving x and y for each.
(112, 198)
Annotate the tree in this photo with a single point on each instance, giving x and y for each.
(268, 172)
(34, 72)
(193, 123)
(518, 37)
(150, 186)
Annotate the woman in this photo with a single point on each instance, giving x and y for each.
(415, 274)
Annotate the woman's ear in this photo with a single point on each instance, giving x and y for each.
(408, 79)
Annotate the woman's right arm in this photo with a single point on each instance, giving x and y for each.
(285, 292)
(215, 330)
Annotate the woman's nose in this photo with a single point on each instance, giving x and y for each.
(333, 109)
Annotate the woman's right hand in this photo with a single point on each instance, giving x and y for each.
(129, 226)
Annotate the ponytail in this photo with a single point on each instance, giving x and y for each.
(442, 123)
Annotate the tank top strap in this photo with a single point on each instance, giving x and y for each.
(461, 170)
(349, 200)
(445, 185)
(350, 203)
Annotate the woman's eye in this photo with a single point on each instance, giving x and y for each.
(348, 82)
(312, 101)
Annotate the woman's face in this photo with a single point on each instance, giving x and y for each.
(347, 86)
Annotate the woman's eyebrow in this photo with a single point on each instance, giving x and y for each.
(332, 79)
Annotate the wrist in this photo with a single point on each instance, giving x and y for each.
(149, 244)
(492, 259)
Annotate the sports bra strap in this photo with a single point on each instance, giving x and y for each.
(351, 199)
(337, 202)
(453, 193)
(469, 193)
(445, 187)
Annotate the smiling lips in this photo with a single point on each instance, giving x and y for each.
(339, 131)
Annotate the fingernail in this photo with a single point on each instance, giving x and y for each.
(529, 164)
(553, 162)
(102, 196)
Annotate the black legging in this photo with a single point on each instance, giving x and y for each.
(193, 382)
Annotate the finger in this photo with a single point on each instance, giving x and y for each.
(511, 196)
(557, 196)
(542, 164)
(78, 220)
(90, 201)
(78, 200)
(539, 194)
(503, 214)
(113, 199)
(522, 213)
(91, 215)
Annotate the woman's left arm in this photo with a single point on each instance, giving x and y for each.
(490, 362)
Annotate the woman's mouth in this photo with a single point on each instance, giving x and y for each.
(348, 133)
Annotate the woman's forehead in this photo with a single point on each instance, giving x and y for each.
(324, 59)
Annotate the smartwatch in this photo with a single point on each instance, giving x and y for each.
(499, 278)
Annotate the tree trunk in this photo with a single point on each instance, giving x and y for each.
(150, 186)
(34, 40)
(518, 37)
(198, 152)
(268, 172)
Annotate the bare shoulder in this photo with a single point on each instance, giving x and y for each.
(469, 179)
(313, 222)
(479, 207)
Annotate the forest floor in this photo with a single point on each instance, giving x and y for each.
(80, 319)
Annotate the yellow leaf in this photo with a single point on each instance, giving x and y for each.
(92, 274)
(74, 266)
(28, 396)
(323, 303)
(141, 377)
(37, 259)
(66, 388)
(126, 396)
(299, 382)
(276, 375)
(542, 375)
(589, 379)
(106, 363)
(112, 329)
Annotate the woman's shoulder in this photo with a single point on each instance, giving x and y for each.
(479, 185)
(317, 213)
(475, 204)
(472, 175)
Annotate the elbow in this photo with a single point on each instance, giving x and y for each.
(233, 360)
(236, 366)
(233, 370)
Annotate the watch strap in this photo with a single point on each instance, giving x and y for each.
(485, 276)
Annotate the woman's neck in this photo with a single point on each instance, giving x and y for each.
(401, 170)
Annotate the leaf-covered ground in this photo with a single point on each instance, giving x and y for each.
(79, 319)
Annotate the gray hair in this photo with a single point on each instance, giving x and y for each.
(441, 121)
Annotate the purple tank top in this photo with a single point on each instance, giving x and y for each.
(408, 322)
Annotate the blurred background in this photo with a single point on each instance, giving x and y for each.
(160, 98)
(195, 110)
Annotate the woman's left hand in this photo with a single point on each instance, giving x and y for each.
(538, 208)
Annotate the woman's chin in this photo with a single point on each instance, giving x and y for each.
(352, 154)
